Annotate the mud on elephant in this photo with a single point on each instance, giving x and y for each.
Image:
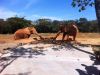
(25, 33)
(69, 30)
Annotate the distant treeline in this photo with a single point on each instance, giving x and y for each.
(12, 24)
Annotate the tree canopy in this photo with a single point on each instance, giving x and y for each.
(12, 24)
(82, 4)
(45, 25)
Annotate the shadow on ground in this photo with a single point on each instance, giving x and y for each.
(69, 45)
(14, 53)
(20, 51)
(89, 70)
(26, 73)
(96, 62)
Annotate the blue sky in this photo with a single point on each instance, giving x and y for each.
(52, 9)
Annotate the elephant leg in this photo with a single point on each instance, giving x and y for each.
(67, 37)
(74, 37)
(17, 36)
(64, 34)
(26, 36)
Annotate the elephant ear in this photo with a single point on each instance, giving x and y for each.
(27, 31)
(32, 30)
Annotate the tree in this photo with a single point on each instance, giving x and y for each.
(15, 23)
(97, 8)
(2, 24)
(83, 25)
(93, 25)
(43, 22)
(43, 25)
(83, 20)
(82, 4)
(55, 26)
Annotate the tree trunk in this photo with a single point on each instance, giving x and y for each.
(97, 9)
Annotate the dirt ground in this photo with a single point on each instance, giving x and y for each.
(6, 40)
(85, 38)
(43, 58)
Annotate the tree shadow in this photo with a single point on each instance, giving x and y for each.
(96, 58)
(91, 55)
(17, 52)
(26, 73)
(89, 70)
(57, 44)
(96, 62)
(71, 46)
(20, 51)
(68, 45)
(81, 50)
(5, 61)
(49, 41)
(27, 52)
(65, 45)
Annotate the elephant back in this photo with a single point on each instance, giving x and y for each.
(21, 34)
(63, 28)
(72, 29)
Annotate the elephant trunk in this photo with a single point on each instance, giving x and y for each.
(41, 37)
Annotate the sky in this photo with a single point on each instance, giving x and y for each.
(51, 9)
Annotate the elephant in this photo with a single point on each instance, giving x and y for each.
(69, 30)
(25, 33)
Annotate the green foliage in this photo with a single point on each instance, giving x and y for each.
(53, 26)
(45, 25)
(12, 24)
(17, 23)
(82, 4)
(87, 26)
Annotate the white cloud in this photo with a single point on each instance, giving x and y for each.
(24, 3)
(30, 2)
(4, 13)
(34, 17)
